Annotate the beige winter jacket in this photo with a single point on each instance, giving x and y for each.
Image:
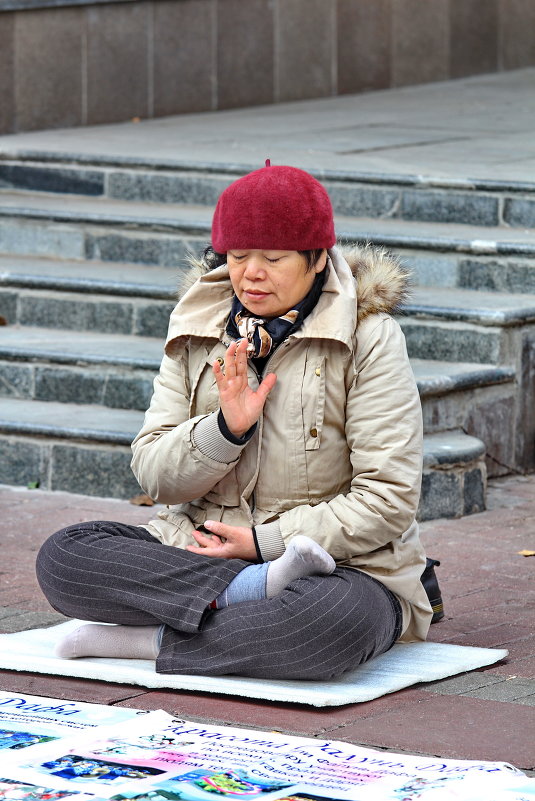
(337, 452)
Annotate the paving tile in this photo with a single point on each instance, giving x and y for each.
(512, 689)
(500, 636)
(484, 598)
(464, 683)
(20, 620)
(94, 692)
(404, 699)
(446, 629)
(20, 600)
(473, 620)
(290, 718)
(527, 701)
(30, 515)
(523, 648)
(454, 727)
(522, 666)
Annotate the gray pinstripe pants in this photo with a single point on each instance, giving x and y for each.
(318, 628)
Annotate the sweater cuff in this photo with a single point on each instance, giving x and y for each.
(227, 433)
(269, 541)
(211, 442)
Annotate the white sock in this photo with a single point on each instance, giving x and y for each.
(303, 557)
(121, 642)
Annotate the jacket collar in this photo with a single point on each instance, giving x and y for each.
(204, 309)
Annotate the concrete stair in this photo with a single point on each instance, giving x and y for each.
(458, 325)
(76, 447)
(153, 180)
(90, 256)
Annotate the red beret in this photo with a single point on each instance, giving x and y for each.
(275, 208)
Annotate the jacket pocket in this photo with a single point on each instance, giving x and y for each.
(204, 397)
(313, 402)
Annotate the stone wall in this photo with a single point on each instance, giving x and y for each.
(81, 62)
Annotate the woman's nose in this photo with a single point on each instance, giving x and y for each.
(254, 267)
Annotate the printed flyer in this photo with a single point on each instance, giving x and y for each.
(11, 790)
(29, 720)
(158, 758)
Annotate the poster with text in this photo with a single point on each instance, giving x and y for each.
(30, 720)
(161, 758)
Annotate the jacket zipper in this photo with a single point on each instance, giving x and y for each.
(259, 377)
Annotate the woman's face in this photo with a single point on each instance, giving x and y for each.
(270, 282)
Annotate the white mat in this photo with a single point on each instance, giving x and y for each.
(402, 666)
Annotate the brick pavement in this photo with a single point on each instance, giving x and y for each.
(489, 595)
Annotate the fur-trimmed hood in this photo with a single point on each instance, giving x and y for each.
(382, 282)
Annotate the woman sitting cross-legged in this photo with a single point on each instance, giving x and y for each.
(284, 437)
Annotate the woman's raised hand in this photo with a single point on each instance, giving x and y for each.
(241, 405)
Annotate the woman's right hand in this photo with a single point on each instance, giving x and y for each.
(241, 406)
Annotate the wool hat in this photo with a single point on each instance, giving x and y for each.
(274, 208)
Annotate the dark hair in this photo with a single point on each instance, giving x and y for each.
(213, 259)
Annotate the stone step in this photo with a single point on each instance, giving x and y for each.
(92, 296)
(85, 312)
(408, 197)
(491, 309)
(117, 298)
(480, 400)
(28, 284)
(435, 379)
(117, 370)
(452, 341)
(111, 370)
(85, 449)
(465, 325)
(429, 269)
(75, 448)
(103, 229)
(93, 313)
(491, 328)
(514, 274)
(81, 228)
(137, 280)
(454, 475)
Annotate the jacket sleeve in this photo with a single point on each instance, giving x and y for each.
(167, 460)
(384, 434)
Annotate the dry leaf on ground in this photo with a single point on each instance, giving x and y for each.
(142, 500)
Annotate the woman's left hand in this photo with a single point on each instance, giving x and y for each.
(226, 542)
